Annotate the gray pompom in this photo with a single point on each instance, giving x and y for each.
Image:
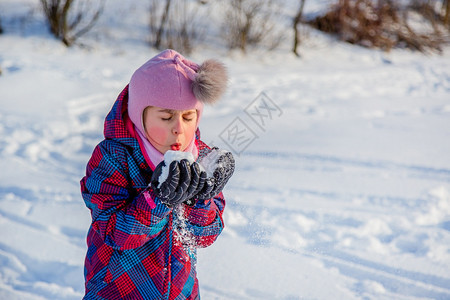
(210, 82)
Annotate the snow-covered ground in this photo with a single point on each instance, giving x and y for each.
(342, 185)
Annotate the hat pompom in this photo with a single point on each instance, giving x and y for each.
(210, 81)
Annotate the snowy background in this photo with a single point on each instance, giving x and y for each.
(342, 193)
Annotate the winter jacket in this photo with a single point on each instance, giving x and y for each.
(137, 246)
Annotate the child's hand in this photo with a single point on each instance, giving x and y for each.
(224, 167)
(184, 180)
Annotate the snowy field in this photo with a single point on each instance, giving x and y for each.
(342, 185)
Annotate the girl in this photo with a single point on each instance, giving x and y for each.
(144, 233)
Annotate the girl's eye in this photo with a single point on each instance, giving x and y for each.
(187, 118)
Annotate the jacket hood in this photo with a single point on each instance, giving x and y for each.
(118, 125)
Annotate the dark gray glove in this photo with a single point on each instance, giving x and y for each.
(182, 183)
(198, 181)
(214, 185)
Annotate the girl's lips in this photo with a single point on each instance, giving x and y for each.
(175, 147)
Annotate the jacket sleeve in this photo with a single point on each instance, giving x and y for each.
(123, 219)
(205, 220)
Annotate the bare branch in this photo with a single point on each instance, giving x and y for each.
(58, 14)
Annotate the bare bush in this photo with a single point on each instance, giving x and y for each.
(431, 11)
(381, 24)
(174, 24)
(250, 23)
(70, 19)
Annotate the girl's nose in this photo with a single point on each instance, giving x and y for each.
(178, 126)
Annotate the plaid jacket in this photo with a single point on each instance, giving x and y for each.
(135, 248)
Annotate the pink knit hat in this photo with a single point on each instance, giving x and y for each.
(170, 81)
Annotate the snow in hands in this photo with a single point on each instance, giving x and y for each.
(209, 163)
(219, 166)
(169, 157)
(213, 161)
(179, 178)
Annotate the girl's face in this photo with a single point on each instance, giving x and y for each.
(169, 129)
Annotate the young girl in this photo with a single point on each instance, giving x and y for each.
(145, 226)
